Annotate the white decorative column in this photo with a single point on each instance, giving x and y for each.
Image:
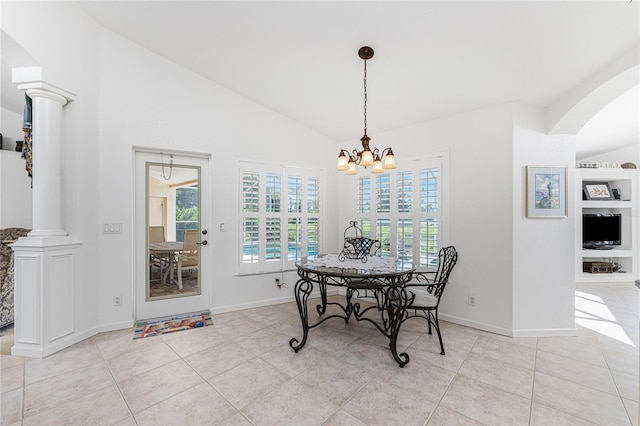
(45, 286)
(47, 168)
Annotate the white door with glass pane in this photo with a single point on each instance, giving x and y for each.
(172, 240)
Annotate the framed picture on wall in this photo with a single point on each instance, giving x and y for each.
(546, 191)
(597, 191)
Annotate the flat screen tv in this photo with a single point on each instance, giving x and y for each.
(601, 231)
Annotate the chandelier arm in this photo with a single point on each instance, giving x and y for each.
(357, 155)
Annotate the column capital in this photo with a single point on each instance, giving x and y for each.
(31, 78)
(48, 94)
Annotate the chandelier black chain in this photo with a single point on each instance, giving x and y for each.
(365, 98)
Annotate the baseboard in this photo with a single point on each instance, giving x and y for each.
(266, 302)
(40, 351)
(475, 324)
(114, 326)
(30, 350)
(540, 332)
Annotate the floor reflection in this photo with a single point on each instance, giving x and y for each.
(159, 289)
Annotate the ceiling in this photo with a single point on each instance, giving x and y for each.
(432, 59)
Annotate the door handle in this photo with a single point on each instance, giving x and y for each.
(204, 242)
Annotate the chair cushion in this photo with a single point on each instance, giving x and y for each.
(423, 299)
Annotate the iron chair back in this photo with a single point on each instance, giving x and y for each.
(188, 258)
(447, 259)
(425, 293)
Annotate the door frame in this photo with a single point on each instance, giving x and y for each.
(142, 155)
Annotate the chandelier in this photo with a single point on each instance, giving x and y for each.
(378, 160)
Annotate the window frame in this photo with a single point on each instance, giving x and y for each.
(370, 219)
(263, 169)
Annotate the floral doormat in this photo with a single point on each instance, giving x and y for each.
(155, 327)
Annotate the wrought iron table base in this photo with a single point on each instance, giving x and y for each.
(391, 301)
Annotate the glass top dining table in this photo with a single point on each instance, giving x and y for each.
(167, 250)
(381, 279)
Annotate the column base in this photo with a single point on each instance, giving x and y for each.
(45, 288)
(44, 233)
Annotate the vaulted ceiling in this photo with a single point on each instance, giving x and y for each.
(432, 59)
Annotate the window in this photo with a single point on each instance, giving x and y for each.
(281, 216)
(407, 216)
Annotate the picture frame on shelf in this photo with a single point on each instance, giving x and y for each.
(546, 192)
(616, 193)
(600, 191)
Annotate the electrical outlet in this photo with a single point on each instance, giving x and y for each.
(471, 300)
(117, 301)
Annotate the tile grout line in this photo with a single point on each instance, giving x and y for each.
(598, 344)
(533, 382)
(208, 384)
(453, 379)
(615, 383)
(24, 390)
(117, 385)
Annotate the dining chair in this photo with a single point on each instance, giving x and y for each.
(156, 234)
(159, 259)
(426, 288)
(188, 258)
(357, 247)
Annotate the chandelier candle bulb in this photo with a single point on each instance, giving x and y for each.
(389, 160)
(351, 168)
(367, 158)
(377, 166)
(342, 162)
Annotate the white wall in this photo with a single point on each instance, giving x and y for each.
(149, 101)
(15, 184)
(15, 192)
(64, 41)
(544, 249)
(500, 252)
(480, 196)
(128, 96)
(164, 194)
(629, 154)
(11, 129)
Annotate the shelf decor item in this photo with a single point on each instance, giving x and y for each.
(598, 267)
(597, 191)
(546, 192)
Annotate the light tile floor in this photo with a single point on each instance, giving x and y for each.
(241, 371)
